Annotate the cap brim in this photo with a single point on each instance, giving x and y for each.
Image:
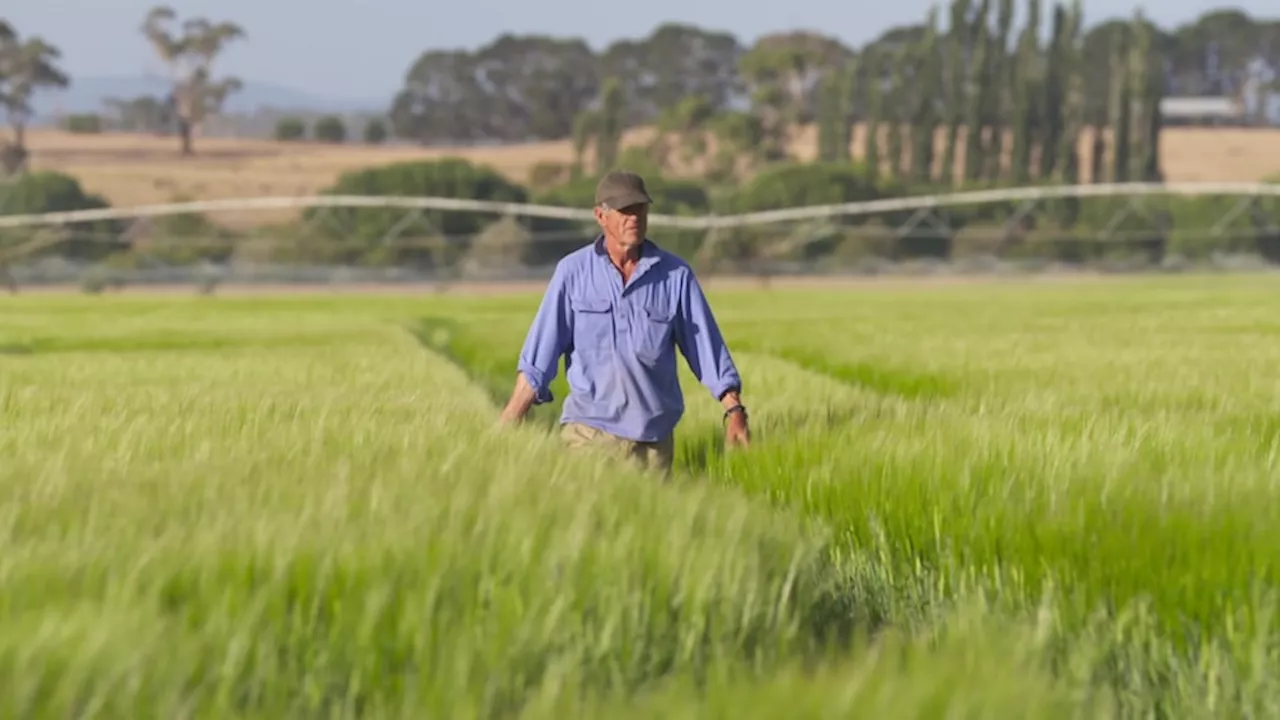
(617, 202)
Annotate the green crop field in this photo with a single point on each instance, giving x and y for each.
(1003, 500)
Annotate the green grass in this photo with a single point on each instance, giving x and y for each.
(993, 501)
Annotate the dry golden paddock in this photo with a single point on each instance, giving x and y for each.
(141, 169)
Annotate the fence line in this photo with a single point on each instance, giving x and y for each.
(915, 202)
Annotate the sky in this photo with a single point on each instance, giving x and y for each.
(361, 49)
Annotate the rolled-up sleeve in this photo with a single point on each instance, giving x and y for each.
(700, 341)
(548, 338)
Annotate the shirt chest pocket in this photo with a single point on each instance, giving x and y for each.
(653, 331)
(592, 324)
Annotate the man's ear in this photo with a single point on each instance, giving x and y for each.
(599, 212)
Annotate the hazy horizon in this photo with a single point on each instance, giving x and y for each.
(329, 57)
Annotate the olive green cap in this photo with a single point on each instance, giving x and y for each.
(619, 189)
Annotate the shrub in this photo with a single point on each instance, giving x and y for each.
(290, 129)
(782, 186)
(1091, 229)
(13, 158)
(375, 132)
(49, 191)
(183, 239)
(330, 129)
(83, 123)
(501, 245)
(442, 236)
(796, 185)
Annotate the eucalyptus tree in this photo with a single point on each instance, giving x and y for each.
(189, 55)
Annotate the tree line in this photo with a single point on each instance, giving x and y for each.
(980, 68)
(1033, 90)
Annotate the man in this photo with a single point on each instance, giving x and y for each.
(618, 309)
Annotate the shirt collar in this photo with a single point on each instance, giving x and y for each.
(650, 253)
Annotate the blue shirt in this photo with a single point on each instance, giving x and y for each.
(619, 342)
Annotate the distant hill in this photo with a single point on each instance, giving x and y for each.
(86, 94)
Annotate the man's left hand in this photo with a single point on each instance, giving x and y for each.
(736, 432)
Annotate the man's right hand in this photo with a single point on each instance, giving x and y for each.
(522, 397)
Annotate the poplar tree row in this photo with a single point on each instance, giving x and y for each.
(916, 101)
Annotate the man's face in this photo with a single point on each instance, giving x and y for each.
(626, 226)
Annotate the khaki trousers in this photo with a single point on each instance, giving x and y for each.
(657, 456)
